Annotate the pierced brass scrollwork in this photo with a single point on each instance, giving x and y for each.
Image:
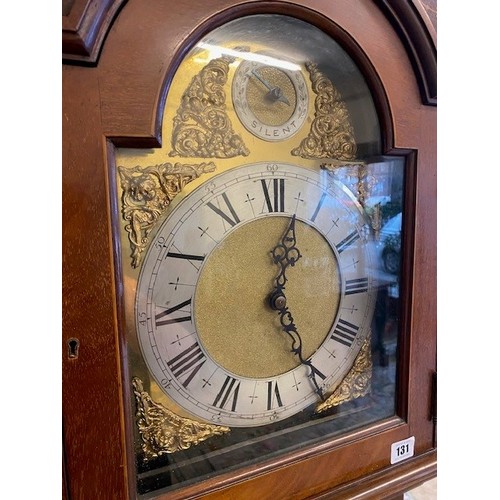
(331, 134)
(147, 192)
(202, 128)
(356, 384)
(162, 431)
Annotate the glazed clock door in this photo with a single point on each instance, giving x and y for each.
(254, 315)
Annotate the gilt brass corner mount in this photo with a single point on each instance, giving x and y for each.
(147, 192)
(162, 431)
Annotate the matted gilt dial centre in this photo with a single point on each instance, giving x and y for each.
(236, 324)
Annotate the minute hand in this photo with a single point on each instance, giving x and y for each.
(288, 326)
(287, 254)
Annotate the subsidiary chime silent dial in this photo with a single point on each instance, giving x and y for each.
(270, 97)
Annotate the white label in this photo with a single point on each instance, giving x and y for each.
(401, 450)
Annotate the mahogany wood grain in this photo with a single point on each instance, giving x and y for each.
(91, 399)
(119, 102)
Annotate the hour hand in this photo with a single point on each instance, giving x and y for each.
(286, 253)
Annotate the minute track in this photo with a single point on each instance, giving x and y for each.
(204, 380)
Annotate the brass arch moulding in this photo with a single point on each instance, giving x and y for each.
(147, 192)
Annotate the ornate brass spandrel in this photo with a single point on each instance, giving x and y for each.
(162, 431)
(356, 384)
(201, 127)
(147, 192)
(331, 134)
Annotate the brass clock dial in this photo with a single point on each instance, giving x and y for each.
(252, 290)
(208, 328)
(270, 97)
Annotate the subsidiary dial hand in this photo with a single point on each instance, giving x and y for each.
(287, 254)
(275, 93)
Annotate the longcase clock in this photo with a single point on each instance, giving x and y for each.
(249, 249)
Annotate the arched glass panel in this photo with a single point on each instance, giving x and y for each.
(261, 251)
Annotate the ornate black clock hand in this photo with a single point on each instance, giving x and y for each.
(290, 329)
(275, 93)
(287, 254)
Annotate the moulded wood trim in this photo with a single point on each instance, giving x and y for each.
(294, 460)
(388, 482)
(85, 28)
(419, 38)
(428, 11)
(127, 394)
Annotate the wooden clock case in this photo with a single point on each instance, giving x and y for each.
(119, 58)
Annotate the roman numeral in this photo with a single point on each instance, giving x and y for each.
(231, 219)
(185, 256)
(318, 207)
(181, 319)
(188, 361)
(276, 202)
(356, 286)
(315, 371)
(345, 332)
(273, 395)
(227, 394)
(346, 242)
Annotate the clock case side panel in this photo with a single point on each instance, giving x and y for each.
(92, 404)
(131, 116)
